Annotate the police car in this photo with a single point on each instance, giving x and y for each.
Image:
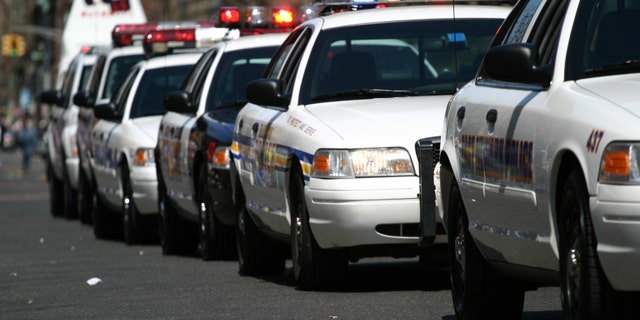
(61, 147)
(323, 153)
(538, 175)
(193, 146)
(110, 69)
(125, 135)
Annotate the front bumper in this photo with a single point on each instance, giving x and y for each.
(145, 189)
(365, 211)
(615, 213)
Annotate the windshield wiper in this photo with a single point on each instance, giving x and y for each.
(629, 65)
(366, 94)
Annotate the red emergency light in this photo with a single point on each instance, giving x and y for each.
(163, 40)
(282, 17)
(125, 34)
(229, 16)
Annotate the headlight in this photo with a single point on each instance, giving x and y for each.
(382, 162)
(620, 164)
(144, 157)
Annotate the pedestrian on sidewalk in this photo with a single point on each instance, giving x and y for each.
(28, 138)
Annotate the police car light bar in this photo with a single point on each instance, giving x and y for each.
(126, 34)
(164, 40)
(229, 16)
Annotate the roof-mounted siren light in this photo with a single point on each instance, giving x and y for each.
(256, 17)
(282, 17)
(308, 12)
(208, 36)
(126, 34)
(229, 17)
(160, 41)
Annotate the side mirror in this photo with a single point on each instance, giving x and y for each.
(515, 63)
(53, 97)
(178, 101)
(266, 92)
(107, 112)
(84, 99)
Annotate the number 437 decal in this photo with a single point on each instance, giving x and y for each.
(594, 140)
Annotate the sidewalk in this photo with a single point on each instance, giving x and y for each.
(15, 185)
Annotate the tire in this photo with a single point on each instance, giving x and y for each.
(106, 224)
(586, 292)
(313, 267)
(70, 196)
(216, 239)
(85, 196)
(136, 228)
(257, 254)
(478, 291)
(56, 195)
(177, 236)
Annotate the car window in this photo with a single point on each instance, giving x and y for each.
(155, 82)
(422, 57)
(605, 40)
(234, 71)
(96, 72)
(118, 70)
(194, 79)
(122, 91)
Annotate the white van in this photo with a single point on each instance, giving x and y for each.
(90, 22)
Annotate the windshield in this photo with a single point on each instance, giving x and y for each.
(118, 70)
(234, 71)
(605, 38)
(153, 85)
(396, 59)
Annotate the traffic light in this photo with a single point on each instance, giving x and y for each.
(13, 45)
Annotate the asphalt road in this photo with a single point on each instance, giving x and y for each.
(47, 264)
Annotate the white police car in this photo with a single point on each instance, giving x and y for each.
(193, 147)
(124, 137)
(539, 174)
(110, 69)
(61, 147)
(324, 157)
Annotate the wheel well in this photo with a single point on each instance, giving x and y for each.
(198, 160)
(294, 164)
(447, 179)
(568, 162)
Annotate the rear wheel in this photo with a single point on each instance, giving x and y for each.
(70, 196)
(85, 195)
(56, 200)
(216, 239)
(313, 267)
(257, 254)
(177, 236)
(478, 291)
(106, 224)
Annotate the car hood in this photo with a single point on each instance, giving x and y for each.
(616, 89)
(383, 122)
(148, 126)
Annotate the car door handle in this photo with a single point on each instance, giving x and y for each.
(492, 116)
(460, 113)
(255, 128)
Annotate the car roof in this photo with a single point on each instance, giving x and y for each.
(412, 13)
(254, 41)
(171, 60)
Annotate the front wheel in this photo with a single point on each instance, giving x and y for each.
(56, 194)
(85, 196)
(478, 291)
(313, 267)
(216, 239)
(257, 254)
(177, 236)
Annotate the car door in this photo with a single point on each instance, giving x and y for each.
(500, 126)
(105, 161)
(173, 137)
(264, 186)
